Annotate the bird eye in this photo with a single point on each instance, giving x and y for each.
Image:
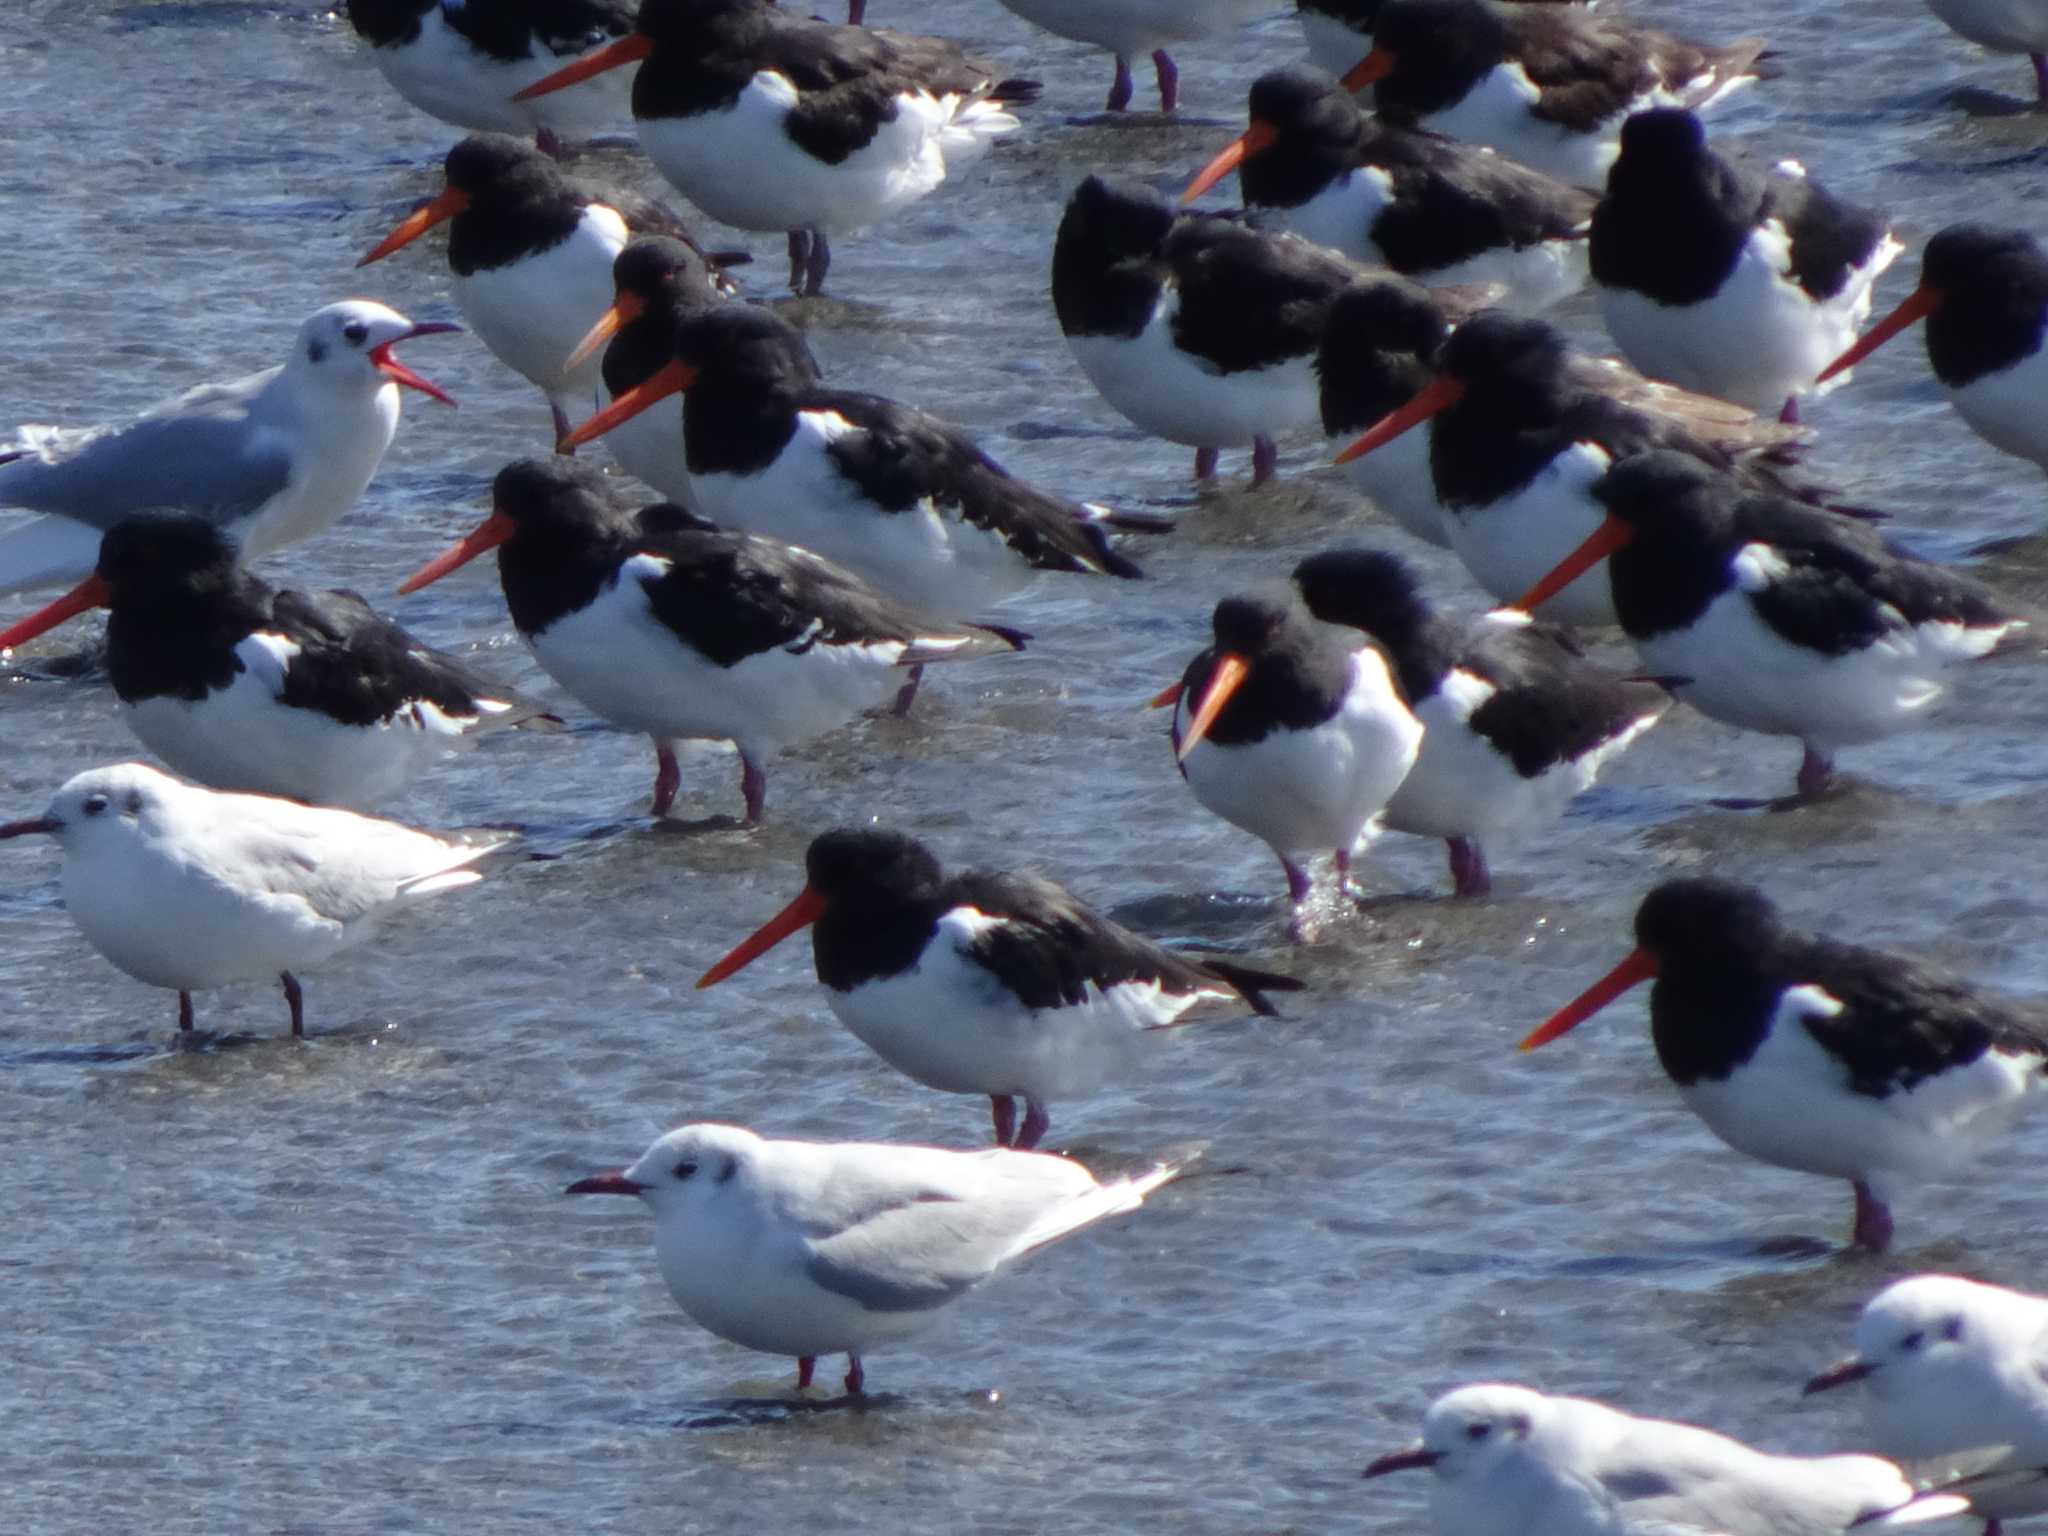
(1478, 1431)
(1952, 1329)
(1913, 1340)
(354, 333)
(134, 802)
(684, 1170)
(94, 804)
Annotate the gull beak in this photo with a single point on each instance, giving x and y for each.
(630, 49)
(612, 1181)
(1840, 1374)
(670, 380)
(1612, 534)
(439, 211)
(1412, 1459)
(89, 593)
(808, 907)
(1438, 395)
(626, 308)
(1640, 966)
(1257, 137)
(488, 534)
(1919, 304)
(1231, 671)
(393, 369)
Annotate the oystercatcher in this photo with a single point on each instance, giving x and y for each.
(899, 497)
(1197, 327)
(812, 1248)
(1432, 209)
(245, 686)
(272, 458)
(1811, 1054)
(1339, 32)
(463, 60)
(1515, 723)
(1282, 729)
(1520, 428)
(2003, 26)
(1984, 295)
(768, 121)
(1723, 278)
(662, 624)
(988, 982)
(1546, 84)
(190, 888)
(1776, 617)
(1128, 28)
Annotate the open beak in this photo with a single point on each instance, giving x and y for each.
(1611, 535)
(808, 907)
(1919, 304)
(672, 379)
(626, 308)
(1410, 1460)
(1640, 966)
(397, 372)
(89, 593)
(612, 1181)
(630, 49)
(439, 211)
(1231, 671)
(1376, 65)
(488, 534)
(1240, 149)
(1438, 395)
(1840, 1374)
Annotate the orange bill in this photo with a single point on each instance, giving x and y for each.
(1376, 65)
(1166, 697)
(1611, 535)
(417, 223)
(1640, 966)
(808, 907)
(1918, 305)
(1231, 671)
(1240, 149)
(89, 593)
(1438, 395)
(626, 308)
(670, 380)
(630, 49)
(488, 534)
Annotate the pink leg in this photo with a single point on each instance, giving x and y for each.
(753, 789)
(2041, 90)
(1469, 874)
(907, 692)
(856, 12)
(1265, 459)
(184, 1013)
(1816, 774)
(856, 1378)
(1790, 414)
(668, 777)
(806, 1366)
(1005, 1113)
(1120, 90)
(561, 428)
(296, 1001)
(1205, 463)
(1169, 79)
(799, 257)
(545, 141)
(1873, 1220)
(1036, 1123)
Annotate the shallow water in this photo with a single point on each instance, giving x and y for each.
(332, 1287)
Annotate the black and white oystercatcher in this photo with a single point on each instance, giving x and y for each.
(1515, 723)
(663, 625)
(273, 691)
(1198, 327)
(900, 497)
(1430, 208)
(1282, 728)
(1339, 33)
(1129, 28)
(1724, 278)
(766, 120)
(1825, 1057)
(1984, 295)
(1771, 615)
(1548, 85)
(988, 982)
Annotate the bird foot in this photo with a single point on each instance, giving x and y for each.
(1873, 1221)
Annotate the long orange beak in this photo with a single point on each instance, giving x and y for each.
(670, 380)
(1376, 65)
(1257, 137)
(808, 907)
(1611, 535)
(488, 534)
(1169, 695)
(89, 593)
(393, 369)
(1640, 966)
(1231, 671)
(626, 308)
(630, 49)
(1919, 304)
(439, 211)
(1439, 394)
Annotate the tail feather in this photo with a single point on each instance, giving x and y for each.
(1106, 557)
(1097, 1204)
(1127, 522)
(1253, 985)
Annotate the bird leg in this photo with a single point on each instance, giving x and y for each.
(806, 1365)
(1299, 885)
(907, 692)
(856, 1378)
(296, 1001)
(1816, 773)
(817, 264)
(1036, 1123)
(753, 789)
(1469, 874)
(1790, 414)
(2041, 89)
(184, 1013)
(1265, 459)
(1342, 859)
(1205, 463)
(1169, 79)
(668, 777)
(562, 426)
(545, 141)
(1873, 1220)
(799, 256)
(1005, 1112)
(855, 10)
(1120, 90)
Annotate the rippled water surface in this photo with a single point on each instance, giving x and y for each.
(332, 1287)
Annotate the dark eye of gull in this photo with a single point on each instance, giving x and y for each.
(94, 804)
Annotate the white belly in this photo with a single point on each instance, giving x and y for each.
(2009, 409)
(532, 313)
(1495, 112)
(1517, 541)
(649, 447)
(342, 445)
(1398, 481)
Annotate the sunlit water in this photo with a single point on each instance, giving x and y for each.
(332, 1287)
